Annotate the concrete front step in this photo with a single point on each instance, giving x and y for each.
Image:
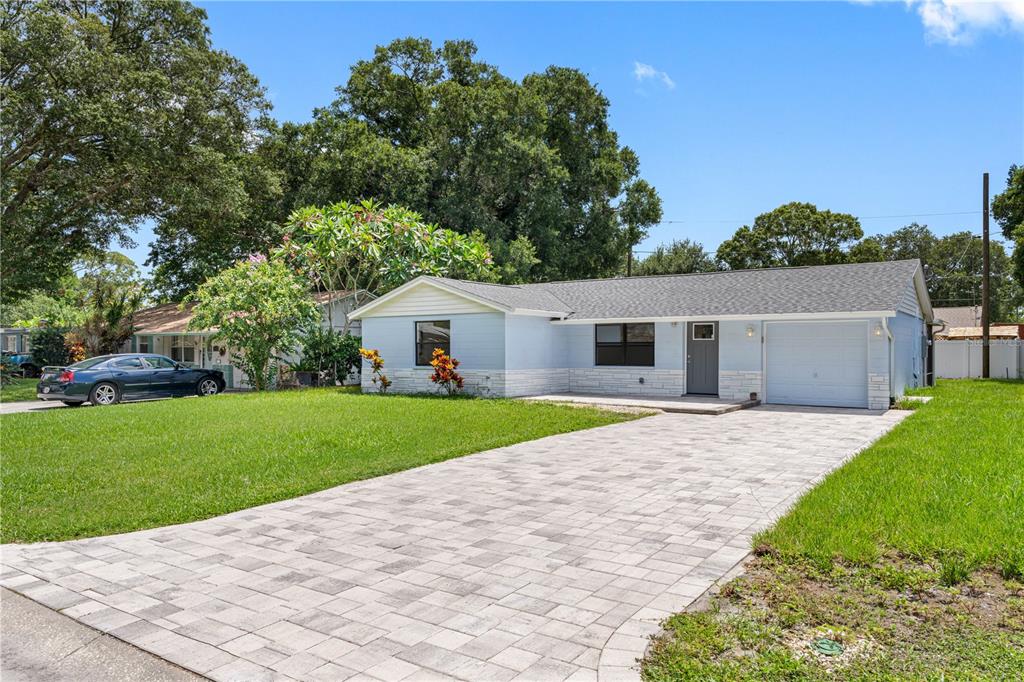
(684, 404)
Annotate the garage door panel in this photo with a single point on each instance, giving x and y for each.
(817, 364)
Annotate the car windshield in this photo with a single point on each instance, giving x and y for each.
(91, 362)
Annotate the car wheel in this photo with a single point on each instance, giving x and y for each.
(73, 403)
(207, 387)
(104, 394)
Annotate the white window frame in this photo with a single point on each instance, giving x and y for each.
(693, 331)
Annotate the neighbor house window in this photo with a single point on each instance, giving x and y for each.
(182, 353)
(143, 344)
(625, 344)
(431, 335)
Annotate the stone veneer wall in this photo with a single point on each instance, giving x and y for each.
(522, 382)
(417, 380)
(626, 381)
(878, 391)
(738, 385)
(519, 382)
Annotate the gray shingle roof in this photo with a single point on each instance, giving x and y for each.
(812, 289)
(960, 316)
(521, 296)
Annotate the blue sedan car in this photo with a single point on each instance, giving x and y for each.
(109, 379)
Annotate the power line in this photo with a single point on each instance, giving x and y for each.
(865, 217)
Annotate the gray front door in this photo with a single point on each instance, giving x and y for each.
(702, 358)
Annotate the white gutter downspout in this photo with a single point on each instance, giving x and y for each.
(892, 359)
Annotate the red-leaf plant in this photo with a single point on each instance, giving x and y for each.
(377, 366)
(444, 372)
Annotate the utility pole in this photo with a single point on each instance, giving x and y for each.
(985, 307)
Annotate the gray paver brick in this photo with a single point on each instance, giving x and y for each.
(548, 560)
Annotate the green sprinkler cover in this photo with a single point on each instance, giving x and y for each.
(827, 647)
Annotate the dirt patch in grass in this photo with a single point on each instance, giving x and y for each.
(894, 619)
(909, 557)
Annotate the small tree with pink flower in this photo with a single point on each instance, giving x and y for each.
(259, 307)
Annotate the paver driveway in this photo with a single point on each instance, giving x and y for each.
(552, 559)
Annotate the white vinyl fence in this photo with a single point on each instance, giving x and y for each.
(962, 359)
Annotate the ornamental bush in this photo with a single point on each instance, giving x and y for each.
(329, 352)
(48, 346)
(379, 379)
(444, 374)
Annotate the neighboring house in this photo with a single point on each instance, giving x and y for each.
(964, 322)
(163, 329)
(15, 340)
(957, 316)
(836, 335)
(16, 346)
(995, 331)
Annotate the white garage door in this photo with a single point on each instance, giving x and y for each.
(817, 363)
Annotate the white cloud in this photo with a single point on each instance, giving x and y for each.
(643, 72)
(958, 21)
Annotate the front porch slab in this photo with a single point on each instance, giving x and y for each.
(687, 404)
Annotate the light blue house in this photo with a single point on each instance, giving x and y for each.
(835, 335)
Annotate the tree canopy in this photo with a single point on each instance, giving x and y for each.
(1008, 210)
(792, 234)
(114, 112)
(365, 246)
(953, 266)
(679, 257)
(800, 234)
(533, 166)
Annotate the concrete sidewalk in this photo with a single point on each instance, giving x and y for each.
(29, 406)
(39, 644)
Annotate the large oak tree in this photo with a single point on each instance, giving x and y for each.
(114, 112)
(533, 165)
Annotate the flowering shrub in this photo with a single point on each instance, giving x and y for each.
(75, 347)
(377, 366)
(444, 372)
(258, 306)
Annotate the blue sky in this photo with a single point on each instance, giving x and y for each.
(869, 108)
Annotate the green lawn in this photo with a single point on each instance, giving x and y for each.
(19, 389)
(911, 557)
(948, 479)
(93, 471)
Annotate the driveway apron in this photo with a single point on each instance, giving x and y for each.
(553, 559)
